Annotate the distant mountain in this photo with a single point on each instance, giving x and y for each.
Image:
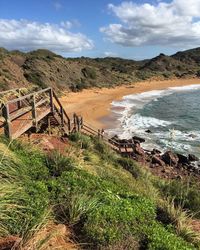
(45, 68)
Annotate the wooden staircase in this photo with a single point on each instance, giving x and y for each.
(25, 113)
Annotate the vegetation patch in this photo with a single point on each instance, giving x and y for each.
(107, 200)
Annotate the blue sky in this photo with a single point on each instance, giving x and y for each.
(98, 28)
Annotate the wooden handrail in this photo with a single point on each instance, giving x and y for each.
(59, 103)
(10, 90)
(29, 95)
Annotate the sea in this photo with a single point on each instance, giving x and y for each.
(167, 119)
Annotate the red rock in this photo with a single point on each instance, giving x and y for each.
(170, 158)
(157, 160)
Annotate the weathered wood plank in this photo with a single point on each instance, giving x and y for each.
(29, 95)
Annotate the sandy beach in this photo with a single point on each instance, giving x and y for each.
(94, 104)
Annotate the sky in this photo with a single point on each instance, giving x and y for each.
(136, 29)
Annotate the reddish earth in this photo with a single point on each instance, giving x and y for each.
(196, 225)
(10, 242)
(47, 142)
(53, 237)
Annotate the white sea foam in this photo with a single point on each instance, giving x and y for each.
(131, 124)
(139, 100)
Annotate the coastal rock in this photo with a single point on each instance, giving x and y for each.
(192, 157)
(148, 131)
(137, 138)
(139, 150)
(182, 159)
(157, 160)
(155, 152)
(170, 158)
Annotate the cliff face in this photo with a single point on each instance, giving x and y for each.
(44, 68)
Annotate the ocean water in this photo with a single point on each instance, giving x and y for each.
(172, 115)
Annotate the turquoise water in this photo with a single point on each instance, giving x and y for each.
(172, 115)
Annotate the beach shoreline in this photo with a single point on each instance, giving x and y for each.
(94, 105)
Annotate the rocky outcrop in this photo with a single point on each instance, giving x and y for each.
(170, 158)
(169, 164)
(157, 160)
(192, 158)
(182, 159)
(138, 139)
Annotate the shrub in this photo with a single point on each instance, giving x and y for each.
(84, 141)
(58, 163)
(89, 72)
(36, 78)
(184, 193)
(104, 151)
(130, 166)
(159, 237)
(169, 213)
(76, 207)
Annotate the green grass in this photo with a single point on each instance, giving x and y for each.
(108, 201)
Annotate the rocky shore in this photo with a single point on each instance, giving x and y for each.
(167, 164)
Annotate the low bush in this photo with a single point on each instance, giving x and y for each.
(57, 163)
(89, 72)
(84, 141)
(184, 193)
(106, 209)
(104, 151)
(131, 166)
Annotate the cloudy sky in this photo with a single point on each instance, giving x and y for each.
(134, 29)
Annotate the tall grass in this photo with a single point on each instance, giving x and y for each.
(181, 219)
(76, 207)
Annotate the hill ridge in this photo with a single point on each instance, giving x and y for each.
(45, 68)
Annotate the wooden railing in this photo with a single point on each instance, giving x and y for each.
(65, 120)
(27, 111)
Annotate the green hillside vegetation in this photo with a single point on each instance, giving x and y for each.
(108, 201)
(44, 68)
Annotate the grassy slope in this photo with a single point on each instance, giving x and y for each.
(44, 68)
(109, 201)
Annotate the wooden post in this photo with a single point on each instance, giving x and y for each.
(34, 113)
(19, 103)
(49, 125)
(81, 122)
(51, 100)
(78, 123)
(69, 126)
(74, 116)
(62, 116)
(7, 127)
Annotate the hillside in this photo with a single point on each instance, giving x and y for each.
(44, 68)
(105, 201)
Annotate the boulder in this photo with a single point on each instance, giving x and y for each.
(139, 150)
(182, 159)
(192, 157)
(148, 131)
(137, 138)
(155, 152)
(157, 160)
(170, 158)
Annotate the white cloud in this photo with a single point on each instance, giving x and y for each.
(110, 54)
(28, 35)
(173, 24)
